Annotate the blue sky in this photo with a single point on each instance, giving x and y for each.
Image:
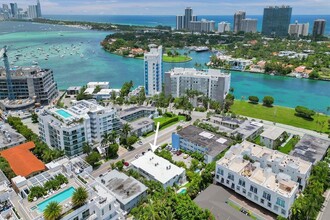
(172, 7)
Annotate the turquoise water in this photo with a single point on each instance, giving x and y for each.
(183, 191)
(63, 113)
(89, 62)
(57, 198)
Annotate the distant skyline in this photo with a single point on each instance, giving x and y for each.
(171, 7)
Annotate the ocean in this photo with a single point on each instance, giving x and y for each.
(169, 20)
(76, 57)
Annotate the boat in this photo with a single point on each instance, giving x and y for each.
(201, 49)
(34, 62)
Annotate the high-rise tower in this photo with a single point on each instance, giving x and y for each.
(238, 17)
(153, 70)
(276, 21)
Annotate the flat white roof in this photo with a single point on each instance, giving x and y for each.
(222, 140)
(273, 133)
(206, 135)
(89, 91)
(161, 170)
(97, 83)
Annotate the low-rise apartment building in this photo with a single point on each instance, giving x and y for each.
(68, 129)
(158, 169)
(195, 139)
(127, 190)
(266, 177)
(273, 137)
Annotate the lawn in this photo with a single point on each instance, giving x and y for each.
(164, 119)
(176, 59)
(289, 146)
(281, 115)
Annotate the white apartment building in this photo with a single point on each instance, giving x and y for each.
(266, 177)
(202, 26)
(223, 27)
(298, 30)
(153, 70)
(272, 137)
(159, 169)
(249, 25)
(100, 205)
(102, 85)
(212, 83)
(68, 129)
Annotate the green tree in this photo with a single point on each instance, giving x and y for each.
(113, 95)
(268, 101)
(254, 99)
(112, 150)
(126, 89)
(34, 118)
(93, 158)
(304, 112)
(52, 211)
(79, 197)
(86, 148)
(126, 129)
(142, 96)
(314, 75)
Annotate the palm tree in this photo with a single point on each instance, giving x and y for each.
(79, 196)
(53, 211)
(86, 148)
(105, 139)
(126, 129)
(112, 137)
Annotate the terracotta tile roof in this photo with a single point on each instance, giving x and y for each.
(22, 161)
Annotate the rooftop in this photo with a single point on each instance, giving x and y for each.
(124, 188)
(272, 133)
(195, 72)
(74, 88)
(161, 170)
(311, 148)
(133, 110)
(22, 161)
(140, 123)
(24, 72)
(280, 183)
(9, 137)
(213, 142)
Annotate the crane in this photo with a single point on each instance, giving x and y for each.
(3, 54)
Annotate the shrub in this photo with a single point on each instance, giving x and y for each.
(268, 101)
(253, 99)
(304, 112)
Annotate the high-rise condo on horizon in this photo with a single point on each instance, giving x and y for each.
(153, 70)
(238, 17)
(276, 21)
(319, 27)
(249, 25)
(223, 27)
(14, 10)
(183, 21)
(39, 15)
(298, 30)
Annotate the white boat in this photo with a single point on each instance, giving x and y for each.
(201, 49)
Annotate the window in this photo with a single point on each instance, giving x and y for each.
(280, 202)
(217, 176)
(244, 191)
(266, 195)
(110, 207)
(283, 212)
(238, 188)
(262, 201)
(231, 176)
(276, 208)
(255, 198)
(102, 211)
(227, 181)
(249, 194)
(269, 205)
(241, 182)
(254, 189)
(85, 214)
(220, 171)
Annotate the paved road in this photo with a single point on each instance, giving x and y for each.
(164, 136)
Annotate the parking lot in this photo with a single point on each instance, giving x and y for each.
(182, 157)
(216, 198)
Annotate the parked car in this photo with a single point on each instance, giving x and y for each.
(143, 153)
(178, 153)
(126, 163)
(185, 156)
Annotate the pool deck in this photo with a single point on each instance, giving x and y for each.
(31, 208)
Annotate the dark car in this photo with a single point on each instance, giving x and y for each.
(126, 163)
(178, 153)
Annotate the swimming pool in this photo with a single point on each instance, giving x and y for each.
(182, 191)
(63, 113)
(60, 197)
